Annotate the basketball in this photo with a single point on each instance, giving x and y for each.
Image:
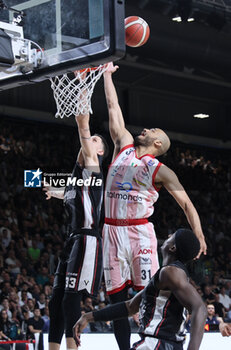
(137, 31)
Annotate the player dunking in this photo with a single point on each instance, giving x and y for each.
(133, 181)
(161, 304)
(80, 264)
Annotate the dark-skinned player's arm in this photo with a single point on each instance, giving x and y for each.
(120, 135)
(109, 313)
(167, 178)
(175, 279)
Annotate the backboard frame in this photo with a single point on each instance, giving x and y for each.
(110, 48)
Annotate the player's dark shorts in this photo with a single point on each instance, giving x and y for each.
(80, 265)
(151, 343)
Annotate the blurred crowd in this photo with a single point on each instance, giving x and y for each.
(32, 230)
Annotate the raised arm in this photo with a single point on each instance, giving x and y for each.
(175, 279)
(119, 134)
(169, 180)
(88, 150)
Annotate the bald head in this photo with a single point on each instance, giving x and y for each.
(162, 142)
(155, 140)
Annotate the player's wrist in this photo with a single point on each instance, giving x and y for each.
(88, 317)
(107, 74)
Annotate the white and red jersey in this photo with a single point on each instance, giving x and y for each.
(130, 191)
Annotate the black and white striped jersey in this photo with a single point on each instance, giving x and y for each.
(161, 314)
(83, 200)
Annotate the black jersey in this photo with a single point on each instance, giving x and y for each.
(83, 200)
(161, 314)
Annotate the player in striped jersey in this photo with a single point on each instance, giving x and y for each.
(133, 182)
(162, 303)
(79, 269)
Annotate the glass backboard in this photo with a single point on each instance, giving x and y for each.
(69, 33)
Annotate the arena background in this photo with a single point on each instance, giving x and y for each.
(184, 69)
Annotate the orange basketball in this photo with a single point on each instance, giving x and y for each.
(137, 31)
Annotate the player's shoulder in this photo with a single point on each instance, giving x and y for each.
(164, 169)
(173, 274)
(165, 173)
(123, 149)
(127, 146)
(171, 270)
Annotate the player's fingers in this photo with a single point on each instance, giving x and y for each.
(228, 330)
(111, 68)
(203, 249)
(78, 342)
(199, 254)
(83, 75)
(225, 333)
(76, 335)
(204, 246)
(77, 71)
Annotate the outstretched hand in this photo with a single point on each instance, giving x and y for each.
(83, 73)
(47, 190)
(225, 329)
(78, 328)
(203, 247)
(111, 68)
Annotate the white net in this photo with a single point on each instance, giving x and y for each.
(73, 94)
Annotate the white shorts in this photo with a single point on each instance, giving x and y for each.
(129, 256)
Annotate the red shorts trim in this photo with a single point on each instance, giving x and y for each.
(138, 288)
(127, 283)
(125, 222)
